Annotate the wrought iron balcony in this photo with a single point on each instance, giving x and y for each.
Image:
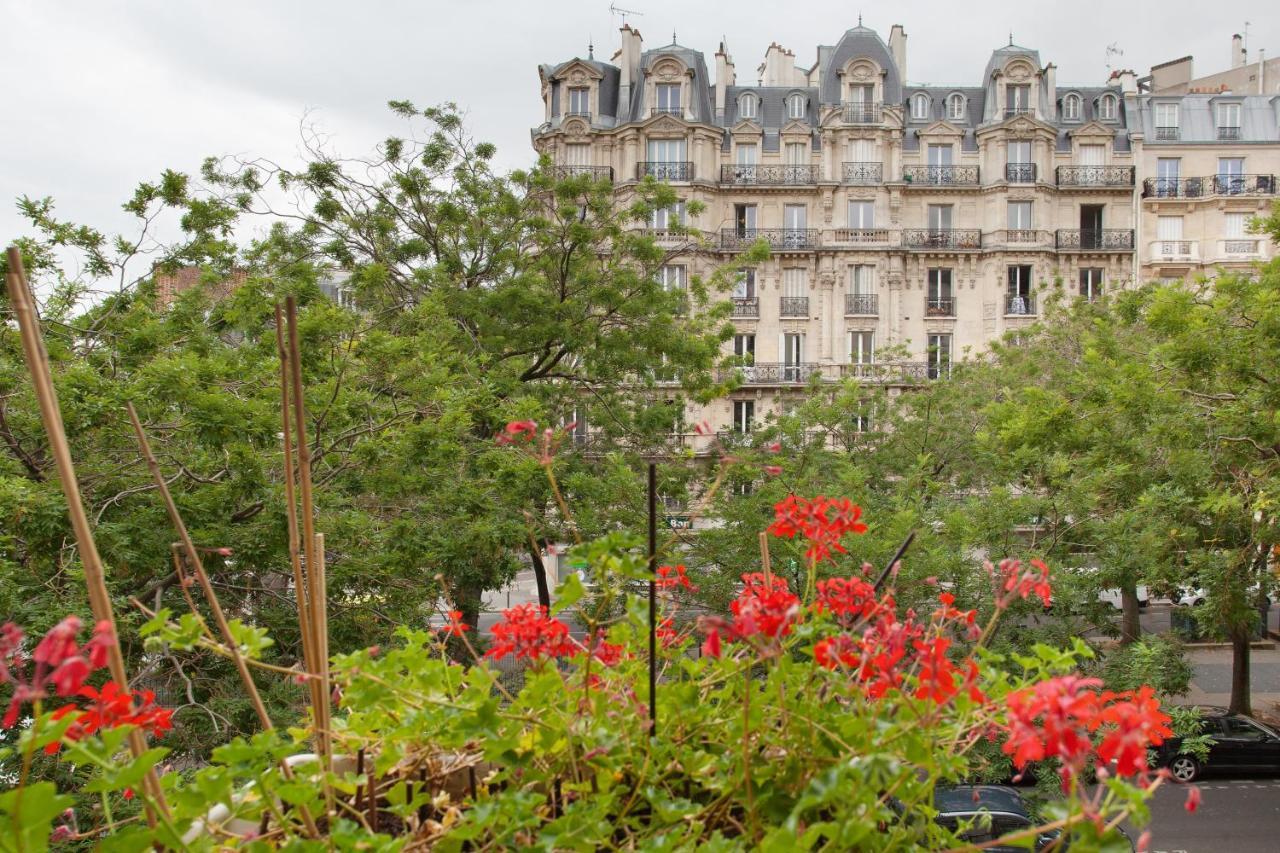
(778, 374)
(1175, 188)
(1168, 134)
(941, 175)
(1020, 173)
(861, 112)
(1229, 133)
(863, 174)
(1019, 305)
(757, 174)
(938, 370)
(1095, 239)
(862, 236)
(746, 306)
(794, 306)
(1095, 176)
(942, 238)
(1243, 184)
(1207, 186)
(866, 304)
(599, 173)
(940, 306)
(896, 371)
(1010, 112)
(665, 171)
(666, 111)
(783, 239)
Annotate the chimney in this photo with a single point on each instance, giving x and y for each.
(1262, 72)
(1051, 92)
(1237, 51)
(774, 71)
(725, 77)
(1128, 80)
(629, 66)
(898, 49)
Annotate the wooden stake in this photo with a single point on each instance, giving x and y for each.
(94, 574)
(765, 562)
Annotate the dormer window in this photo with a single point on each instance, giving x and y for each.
(1166, 121)
(955, 107)
(1228, 121)
(1017, 99)
(1071, 108)
(796, 106)
(579, 101)
(668, 98)
(747, 106)
(920, 106)
(1107, 108)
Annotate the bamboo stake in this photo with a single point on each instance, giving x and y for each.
(322, 638)
(94, 574)
(765, 563)
(211, 597)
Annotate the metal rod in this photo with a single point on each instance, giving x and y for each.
(653, 598)
(94, 575)
(902, 549)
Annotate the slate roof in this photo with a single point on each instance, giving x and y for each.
(1198, 121)
(771, 112)
(858, 42)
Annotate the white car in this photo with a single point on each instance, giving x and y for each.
(1195, 596)
(1113, 595)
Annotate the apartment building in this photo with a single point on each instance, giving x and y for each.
(918, 220)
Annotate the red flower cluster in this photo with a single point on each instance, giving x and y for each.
(59, 660)
(849, 599)
(670, 577)
(527, 632)
(1017, 583)
(609, 654)
(1062, 716)
(939, 679)
(455, 627)
(112, 707)
(519, 431)
(823, 521)
(765, 608)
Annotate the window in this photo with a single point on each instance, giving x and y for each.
(1235, 728)
(862, 279)
(796, 106)
(940, 154)
(1229, 117)
(1166, 115)
(744, 415)
(1020, 169)
(955, 107)
(920, 106)
(1093, 155)
(1071, 107)
(744, 347)
(747, 105)
(940, 302)
(747, 153)
(667, 217)
(797, 154)
(1107, 107)
(577, 154)
(862, 214)
(744, 286)
(1017, 99)
(1019, 151)
(1230, 178)
(673, 277)
(862, 347)
(1168, 173)
(861, 417)
(1019, 216)
(1237, 226)
(668, 97)
(792, 345)
(744, 219)
(794, 217)
(1019, 293)
(1090, 283)
(939, 356)
(940, 217)
(862, 151)
(795, 282)
(579, 101)
(861, 94)
(667, 150)
(1169, 232)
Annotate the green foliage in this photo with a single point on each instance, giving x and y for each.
(1155, 660)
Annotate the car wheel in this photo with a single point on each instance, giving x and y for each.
(1197, 602)
(1184, 768)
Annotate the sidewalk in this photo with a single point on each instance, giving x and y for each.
(1211, 682)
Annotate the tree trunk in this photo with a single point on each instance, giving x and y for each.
(1240, 700)
(1130, 623)
(540, 576)
(468, 600)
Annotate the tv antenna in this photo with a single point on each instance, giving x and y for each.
(1113, 50)
(624, 12)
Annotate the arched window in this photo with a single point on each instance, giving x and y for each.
(1107, 107)
(796, 106)
(955, 107)
(920, 105)
(747, 106)
(1071, 107)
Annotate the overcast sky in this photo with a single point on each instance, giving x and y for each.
(109, 92)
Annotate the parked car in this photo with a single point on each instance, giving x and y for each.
(1112, 596)
(1195, 596)
(1239, 743)
(994, 810)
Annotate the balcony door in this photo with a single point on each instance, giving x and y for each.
(1020, 218)
(577, 155)
(745, 286)
(744, 415)
(744, 219)
(792, 346)
(1020, 169)
(862, 348)
(940, 155)
(940, 303)
(667, 151)
(860, 94)
(668, 97)
(862, 280)
(1017, 99)
(1230, 175)
(795, 219)
(1169, 232)
(1168, 173)
(1090, 283)
(744, 347)
(1018, 296)
(862, 214)
(939, 224)
(939, 355)
(1091, 226)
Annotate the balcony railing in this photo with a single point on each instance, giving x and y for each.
(1167, 134)
(578, 114)
(669, 235)
(666, 111)
(942, 238)
(794, 306)
(1019, 238)
(1095, 176)
(1176, 250)
(865, 304)
(778, 238)
(938, 370)
(1020, 173)
(1010, 112)
(863, 174)
(941, 175)
(1241, 247)
(1095, 239)
(1018, 305)
(599, 173)
(780, 374)
(768, 175)
(746, 306)
(940, 306)
(1209, 186)
(664, 170)
(862, 236)
(1229, 133)
(777, 374)
(861, 112)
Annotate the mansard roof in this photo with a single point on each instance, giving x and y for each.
(856, 43)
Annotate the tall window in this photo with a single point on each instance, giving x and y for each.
(1237, 226)
(667, 150)
(795, 282)
(1231, 175)
(1018, 296)
(1093, 155)
(862, 279)
(861, 94)
(1071, 107)
(744, 415)
(1019, 216)
(862, 151)
(940, 154)
(939, 356)
(747, 153)
(862, 347)
(795, 217)
(940, 301)
(797, 154)
(1169, 231)
(955, 107)
(1166, 115)
(1017, 99)
(940, 217)
(1168, 173)
(1090, 283)
(796, 105)
(668, 95)
(744, 287)
(861, 418)
(577, 154)
(579, 101)
(747, 106)
(1020, 168)
(673, 277)
(744, 219)
(920, 106)
(862, 214)
(1229, 117)
(744, 347)
(1107, 108)
(667, 217)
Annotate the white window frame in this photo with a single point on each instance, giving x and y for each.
(744, 345)
(1071, 107)
(748, 105)
(797, 106)
(862, 213)
(1091, 282)
(1020, 222)
(673, 277)
(583, 93)
(938, 355)
(862, 346)
(1236, 225)
(1224, 114)
(744, 285)
(862, 279)
(661, 218)
(795, 282)
(744, 415)
(919, 106)
(662, 92)
(1107, 109)
(955, 107)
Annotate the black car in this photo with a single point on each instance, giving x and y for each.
(1239, 743)
(1004, 810)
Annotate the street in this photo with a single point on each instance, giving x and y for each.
(1235, 816)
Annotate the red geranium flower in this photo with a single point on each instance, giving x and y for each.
(527, 632)
(60, 662)
(455, 627)
(673, 576)
(110, 708)
(823, 521)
